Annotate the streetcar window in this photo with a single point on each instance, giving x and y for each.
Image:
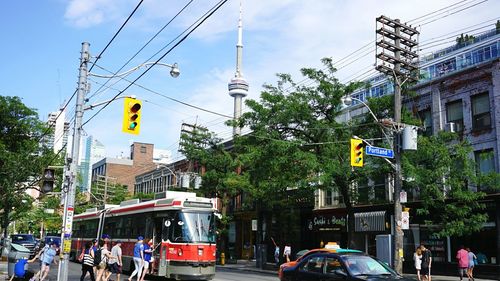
(192, 227)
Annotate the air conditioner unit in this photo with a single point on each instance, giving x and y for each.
(450, 127)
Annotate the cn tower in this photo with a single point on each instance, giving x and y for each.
(238, 86)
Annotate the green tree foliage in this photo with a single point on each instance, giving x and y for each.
(298, 143)
(22, 157)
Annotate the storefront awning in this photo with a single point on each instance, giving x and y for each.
(369, 221)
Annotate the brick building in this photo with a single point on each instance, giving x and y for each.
(124, 170)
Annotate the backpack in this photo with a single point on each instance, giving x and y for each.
(97, 257)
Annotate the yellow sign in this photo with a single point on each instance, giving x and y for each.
(67, 246)
(131, 122)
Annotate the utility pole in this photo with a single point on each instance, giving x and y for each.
(397, 61)
(73, 163)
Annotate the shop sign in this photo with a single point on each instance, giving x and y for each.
(326, 223)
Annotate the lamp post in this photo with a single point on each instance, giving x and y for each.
(72, 161)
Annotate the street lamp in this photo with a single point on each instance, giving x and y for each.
(347, 101)
(174, 70)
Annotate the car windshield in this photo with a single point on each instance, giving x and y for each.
(191, 227)
(366, 265)
(23, 238)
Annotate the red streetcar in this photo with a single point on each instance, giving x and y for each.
(182, 227)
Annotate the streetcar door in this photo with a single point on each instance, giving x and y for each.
(160, 231)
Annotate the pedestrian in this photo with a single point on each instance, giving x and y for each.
(287, 251)
(425, 266)
(105, 256)
(463, 262)
(472, 262)
(115, 263)
(88, 262)
(138, 258)
(48, 258)
(417, 257)
(276, 252)
(148, 251)
(107, 241)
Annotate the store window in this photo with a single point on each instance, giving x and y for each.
(454, 114)
(481, 116)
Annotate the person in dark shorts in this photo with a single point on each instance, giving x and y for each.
(425, 270)
(115, 263)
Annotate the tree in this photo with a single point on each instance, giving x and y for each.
(222, 178)
(297, 142)
(21, 132)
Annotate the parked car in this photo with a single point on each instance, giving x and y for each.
(339, 264)
(26, 240)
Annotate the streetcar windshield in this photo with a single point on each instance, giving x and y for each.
(191, 227)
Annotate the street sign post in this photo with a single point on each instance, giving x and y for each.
(379, 152)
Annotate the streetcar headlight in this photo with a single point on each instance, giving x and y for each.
(179, 252)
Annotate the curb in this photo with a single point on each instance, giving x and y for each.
(246, 269)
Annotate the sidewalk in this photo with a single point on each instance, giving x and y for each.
(271, 269)
(3, 271)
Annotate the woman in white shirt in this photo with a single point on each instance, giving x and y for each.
(417, 257)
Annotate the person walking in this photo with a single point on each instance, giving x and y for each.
(463, 262)
(88, 262)
(287, 251)
(276, 252)
(148, 252)
(472, 262)
(105, 256)
(138, 258)
(48, 258)
(425, 266)
(115, 263)
(417, 257)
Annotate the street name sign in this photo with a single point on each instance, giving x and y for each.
(379, 152)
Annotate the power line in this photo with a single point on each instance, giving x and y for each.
(116, 34)
(142, 48)
(204, 18)
(168, 97)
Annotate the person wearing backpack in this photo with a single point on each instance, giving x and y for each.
(138, 258)
(88, 262)
(100, 260)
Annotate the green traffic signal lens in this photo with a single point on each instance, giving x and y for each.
(132, 125)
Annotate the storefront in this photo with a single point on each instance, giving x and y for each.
(326, 226)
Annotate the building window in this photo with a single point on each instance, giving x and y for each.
(485, 161)
(454, 114)
(143, 149)
(481, 116)
(426, 118)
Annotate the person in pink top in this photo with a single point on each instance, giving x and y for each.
(463, 261)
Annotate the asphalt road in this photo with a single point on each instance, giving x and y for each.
(221, 275)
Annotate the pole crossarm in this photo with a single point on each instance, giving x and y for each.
(174, 70)
(92, 106)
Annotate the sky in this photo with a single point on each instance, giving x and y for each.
(41, 43)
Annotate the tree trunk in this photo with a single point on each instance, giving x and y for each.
(6, 211)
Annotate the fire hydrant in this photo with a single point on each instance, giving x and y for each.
(222, 259)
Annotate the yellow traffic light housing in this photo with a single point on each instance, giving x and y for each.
(357, 151)
(132, 116)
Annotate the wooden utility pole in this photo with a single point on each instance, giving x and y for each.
(397, 60)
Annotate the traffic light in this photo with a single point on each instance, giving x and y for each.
(131, 116)
(48, 179)
(357, 148)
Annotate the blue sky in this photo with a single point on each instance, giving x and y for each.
(41, 42)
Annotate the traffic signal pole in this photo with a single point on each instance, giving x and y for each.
(73, 166)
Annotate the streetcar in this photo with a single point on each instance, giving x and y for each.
(182, 227)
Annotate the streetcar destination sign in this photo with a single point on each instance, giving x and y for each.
(379, 152)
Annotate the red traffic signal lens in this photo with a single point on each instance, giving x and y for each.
(135, 108)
